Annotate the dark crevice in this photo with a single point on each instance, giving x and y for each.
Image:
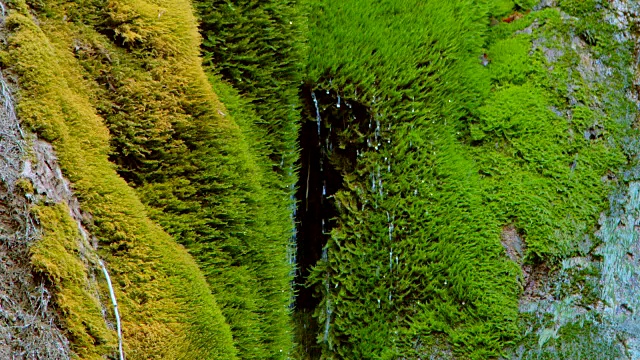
(328, 149)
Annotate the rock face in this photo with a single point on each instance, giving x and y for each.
(28, 326)
(588, 306)
(30, 175)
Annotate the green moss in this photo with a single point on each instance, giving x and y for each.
(417, 68)
(258, 47)
(546, 164)
(166, 306)
(579, 7)
(539, 168)
(526, 4)
(525, 140)
(501, 7)
(193, 167)
(57, 257)
(510, 60)
(571, 341)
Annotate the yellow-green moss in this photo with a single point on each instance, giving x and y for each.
(167, 309)
(197, 171)
(24, 186)
(56, 256)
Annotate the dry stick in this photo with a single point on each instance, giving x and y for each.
(115, 308)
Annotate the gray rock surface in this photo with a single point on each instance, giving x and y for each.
(590, 305)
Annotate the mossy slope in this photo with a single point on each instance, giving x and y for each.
(559, 123)
(258, 47)
(192, 165)
(56, 257)
(167, 308)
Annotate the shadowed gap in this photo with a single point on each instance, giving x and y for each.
(329, 148)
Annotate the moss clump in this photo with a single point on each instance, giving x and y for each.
(579, 7)
(166, 306)
(510, 60)
(57, 257)
(576, 340)
(24, 186)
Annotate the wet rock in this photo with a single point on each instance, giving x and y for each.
(513, 244)
(545, 4)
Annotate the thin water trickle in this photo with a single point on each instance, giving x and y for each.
(315, 103)
(373, 182)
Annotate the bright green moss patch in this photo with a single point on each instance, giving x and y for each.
(548, 150)
(510, 60)
(579, 7)
(543, 168)
(457, 151)
(57, 257)
(166, 306)
(415, 266)
(500, 8)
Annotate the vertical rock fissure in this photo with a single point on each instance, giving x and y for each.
(329, 150)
